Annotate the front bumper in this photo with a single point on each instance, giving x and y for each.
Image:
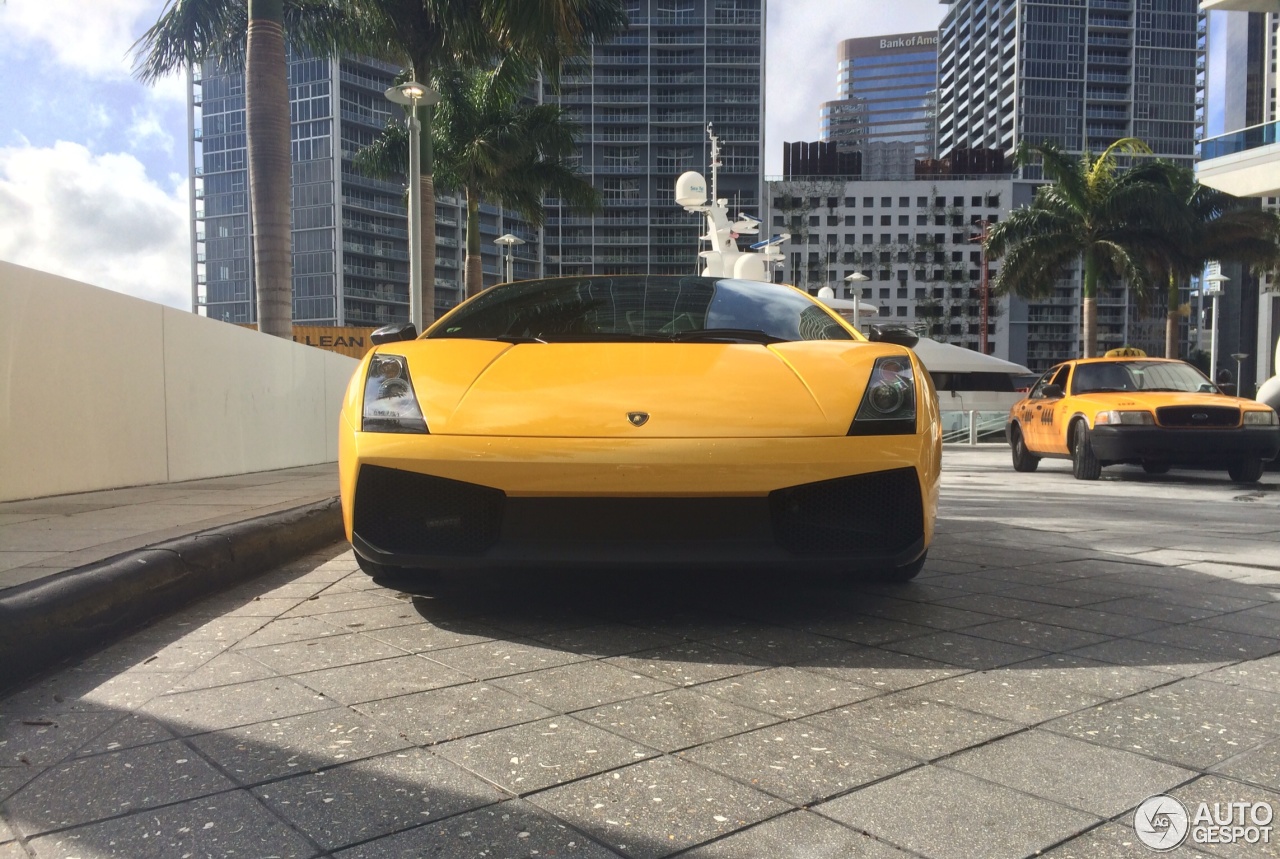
(464, 503)
(1207, 447)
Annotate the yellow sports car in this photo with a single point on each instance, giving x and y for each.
(640, 420)
(1152, 412)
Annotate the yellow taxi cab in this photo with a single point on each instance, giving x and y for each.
(1128, 408)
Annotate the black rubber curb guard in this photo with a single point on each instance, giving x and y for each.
(46, 621)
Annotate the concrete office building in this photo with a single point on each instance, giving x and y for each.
(885, 105)
(350, 232)
(643, 102)
(1079, 74)
(1241, 155)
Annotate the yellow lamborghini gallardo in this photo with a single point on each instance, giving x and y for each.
(640, 420)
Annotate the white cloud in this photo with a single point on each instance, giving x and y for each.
(148, 131)
(97, 219)
(92, 37)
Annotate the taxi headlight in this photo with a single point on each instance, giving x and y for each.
(1261, 418)
(1117, 418)
(390, 404)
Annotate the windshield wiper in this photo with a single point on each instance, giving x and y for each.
(733, 335)
(516, 338)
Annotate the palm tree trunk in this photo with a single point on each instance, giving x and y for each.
(1171, 320)
(1089, 310)
(267, 130)
(475, 274)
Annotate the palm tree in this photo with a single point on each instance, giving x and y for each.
(424, 36)
(494, 147)
(1090, 210)
(1215, 226)
(190, 31)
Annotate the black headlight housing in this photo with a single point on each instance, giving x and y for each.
(888, 405)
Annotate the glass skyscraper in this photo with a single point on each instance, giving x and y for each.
(643, 101)
(884, 111)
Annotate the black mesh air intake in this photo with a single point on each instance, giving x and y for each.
(873, 514)
(416, 514)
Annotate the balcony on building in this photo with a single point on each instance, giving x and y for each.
(1245, 163)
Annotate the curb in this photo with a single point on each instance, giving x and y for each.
(46, 621)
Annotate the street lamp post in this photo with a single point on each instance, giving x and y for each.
(413, 95)
(856, 277)
(1213, 286)
(1240, 357)
(508, 243)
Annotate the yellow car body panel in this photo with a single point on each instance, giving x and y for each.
(540, 421)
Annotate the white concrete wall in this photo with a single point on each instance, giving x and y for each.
(100, 390)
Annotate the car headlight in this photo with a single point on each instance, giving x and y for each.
(1118, 418)
(889, 404)
(1261, 418)
(390, 404)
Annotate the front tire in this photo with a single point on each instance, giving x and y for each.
(1023, 459)
(1084, 464)
(1247, 470)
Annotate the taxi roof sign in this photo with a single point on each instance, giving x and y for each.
(1125, 352)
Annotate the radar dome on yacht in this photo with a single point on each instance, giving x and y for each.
(691, 189)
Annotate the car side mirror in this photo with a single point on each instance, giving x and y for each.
(1052, 392)
(1207, 388)
(895, 334)
(394, 333)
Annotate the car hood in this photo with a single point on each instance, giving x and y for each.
(688, 390)
(1157, 399)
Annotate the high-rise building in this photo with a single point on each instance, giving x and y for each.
(643, 101)
(1241, 155)
(885, 103)
(350, 232)
(1081, 75)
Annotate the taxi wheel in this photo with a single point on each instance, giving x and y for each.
(1246, 470)
(1155, 466)
(905, 573)
(1084, 465)
(1023, 459)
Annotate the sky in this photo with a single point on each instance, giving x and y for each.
(93, 164)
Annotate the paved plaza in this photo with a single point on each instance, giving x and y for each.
(1070, 650)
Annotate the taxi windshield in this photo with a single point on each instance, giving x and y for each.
(1112, 376)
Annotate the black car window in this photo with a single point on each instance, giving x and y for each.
(622, 308)
(1037, 392)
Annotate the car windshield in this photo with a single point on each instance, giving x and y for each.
(642, 308)
(1109, 376)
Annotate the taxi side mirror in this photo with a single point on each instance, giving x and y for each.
(1052, 392)
(898, 335)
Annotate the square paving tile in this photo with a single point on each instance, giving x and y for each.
(282, 747)
(580, 685)
(334, 603)
(538, 755)
(606, 639)
(1113, 841)
(37, 740)
(676, 720)
(502, 658)
(1215, 643)
(911, 723)
(1099, 620)
(788, 692)
(1091, 778)
(452, 712)
(686, 664)
(284, 630)
(1036, 633)
(1260, 766)
(1156, 657)
(800, 763)
(1013, 694)
(227, 824)
(1217, 791)
(392, 614)
(964, 650)
(1161, 728)
(384, 678)
(796, 835)
(658, 807)
(949, 815)
(422, 636)
(1100, 679)
(781, 646)
(885, 670)
(94, 788)
(863, 629)
(512, 828)
(223, 707)
(377, 796)
(1261, 674)
(333, 651)
(225, 669)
